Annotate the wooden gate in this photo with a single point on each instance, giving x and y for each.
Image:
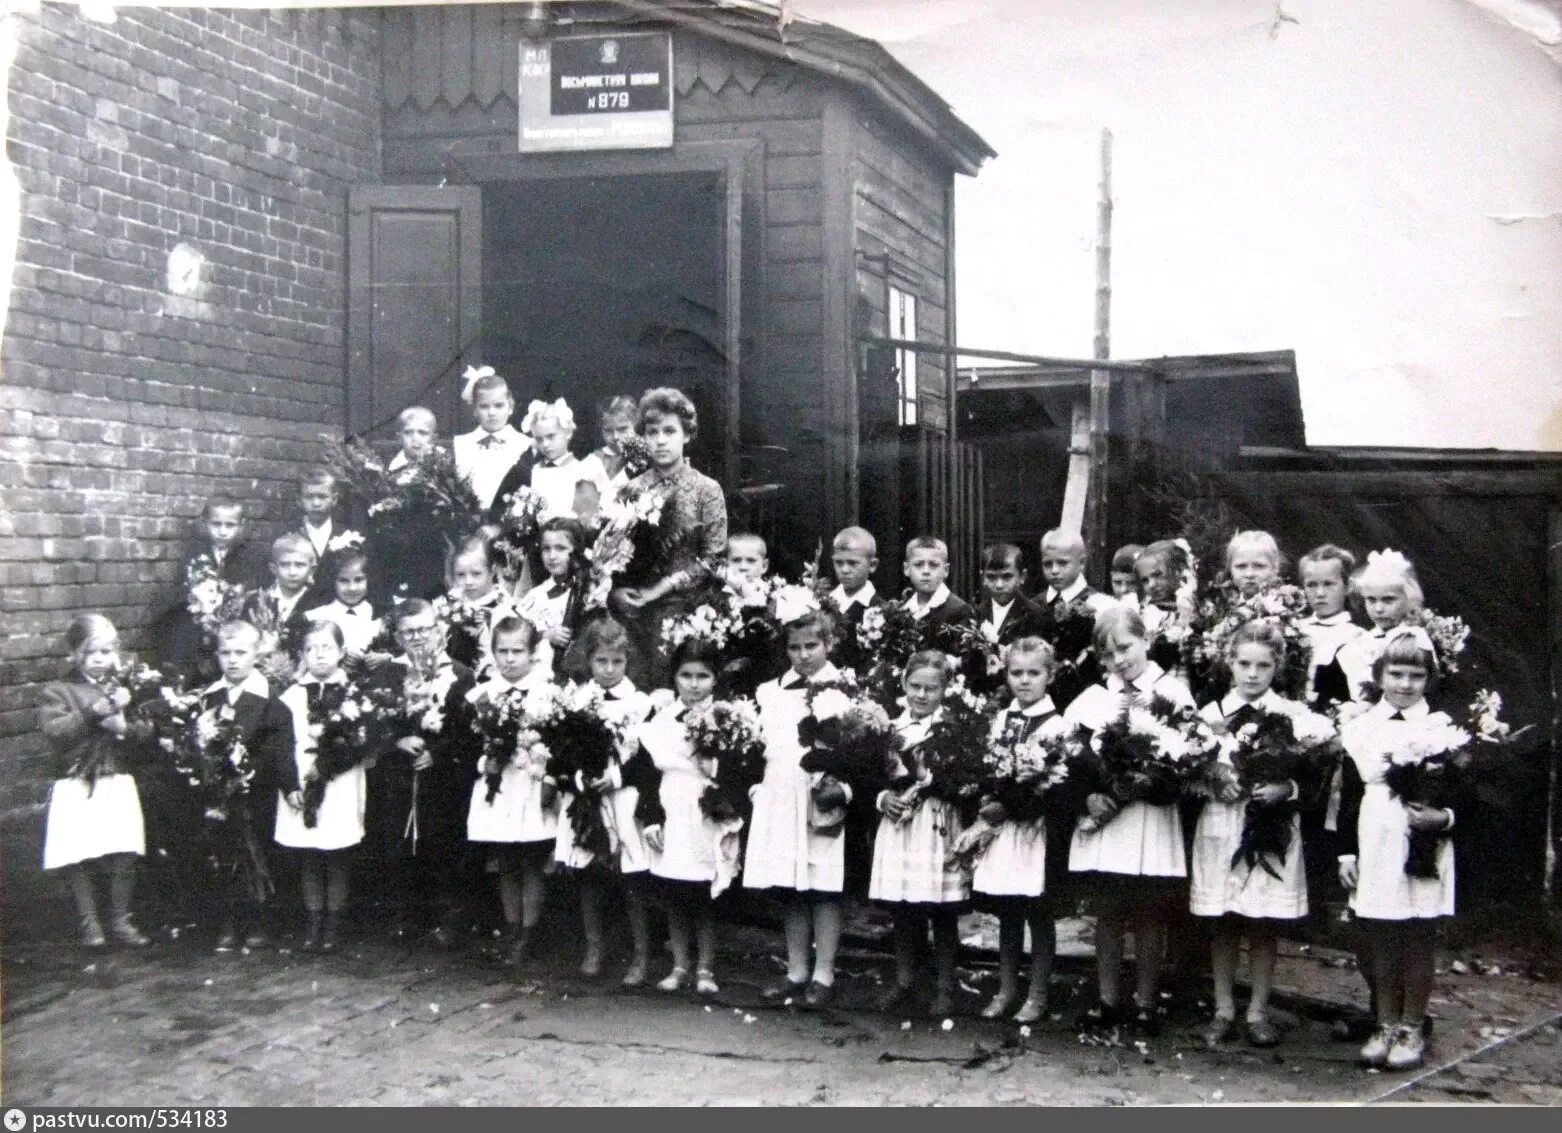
(942, 496)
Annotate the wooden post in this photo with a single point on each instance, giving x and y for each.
(1554, 586)
(1098, 493)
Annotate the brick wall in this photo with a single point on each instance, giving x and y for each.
(176, 316)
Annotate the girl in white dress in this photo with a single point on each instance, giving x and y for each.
(792, 846)
(484, 455)
(351, 611)
(1390, 593)
(1130, 858)
(680, 838)
(605, 645)
(520, 826)
(472, 600)
(324, 849)
(1398, 913)
(605, 466)
(915, 870)
(94, 820)
(1257, 901)
(557, 471)
(1014, 876)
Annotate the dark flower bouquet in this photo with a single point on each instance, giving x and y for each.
(1228, 610)
(849, 739)
(421, 500)
(1273, 747)
(955, 752)
(1148, 752)
(1020, 772)
(1072, 637)
(634, 456)
(726, 738)
(884, 640)
(344, 722)
(518, 530)
(581, 746)
(209, 599)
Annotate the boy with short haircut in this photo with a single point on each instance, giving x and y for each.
(1063, 567)
(927, 569)
(748, 562)
(264, 726)
(317, 522)
(1068, 609)
(281, 605)
(1005, 613)
(223, 545)
(1125, 578)
(854, 554)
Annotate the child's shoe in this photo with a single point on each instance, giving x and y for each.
(1000, 1005)
(1408, 1049)
(705, 982)
(676, 980)
(227, 937)
(126, 933)
(312, 933)
(1032, 1010)
(591, 966)
(92, 933)
(1219, 1030)
(1375, 1053)
(331, 933)
(1262, 1033)
(635, 976)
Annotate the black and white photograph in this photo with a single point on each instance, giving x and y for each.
(802, 553)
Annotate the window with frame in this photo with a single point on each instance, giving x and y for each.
(903, 325)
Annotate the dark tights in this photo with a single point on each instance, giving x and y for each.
(1402, 954)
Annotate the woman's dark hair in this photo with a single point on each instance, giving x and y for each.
(696, 650)
(668, 402)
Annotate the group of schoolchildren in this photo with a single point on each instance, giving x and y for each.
(430, 810)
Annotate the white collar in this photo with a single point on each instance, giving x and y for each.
(904, 722)
(940, 596)
(281, 599)
(1001, 607)
(1417, 711)
(844, 601)
(1144, 682)
(254, 683)
(623, 690)
(398, 461)
(1271, 701)
(1074, 590)
(322, 526)
(824, 675)
(337, 678)
(505, 434)
(1339, 619)
(1042, 707)
(562, 462)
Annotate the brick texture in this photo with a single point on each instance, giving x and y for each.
(177, 312)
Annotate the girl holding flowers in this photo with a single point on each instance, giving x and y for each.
(1127, 850)
(1403, 791)
(473, 595)
(681, 837)
(94, 820)
(1015, 875)
(513, 811)
(915, 868)
(1248, 872)
(323, 791)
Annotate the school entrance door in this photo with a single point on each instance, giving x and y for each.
(574, 277)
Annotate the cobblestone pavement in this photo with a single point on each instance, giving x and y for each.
(384, 1024)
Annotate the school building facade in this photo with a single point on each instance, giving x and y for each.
(245, 233)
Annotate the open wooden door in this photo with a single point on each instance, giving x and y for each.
(414, 274)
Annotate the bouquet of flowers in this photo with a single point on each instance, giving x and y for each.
(1071, 634)
(631, 537)
(978, 660)
(423, 499)
(425, 695)
(278, 648)
(726, 738)
(1429, 768)
(1020, 772)
(715, 624)
(518, 530)
(634, 456)
(1227, 611)
(849, 739)
(955, 751)
(210, 600)
(463, 620)
(581, 745)
(506, 724)
(1449, 636)
(1273, 747)
(1148, 752)
(342, 724)
(886, 638)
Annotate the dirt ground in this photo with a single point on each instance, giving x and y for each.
(383, 1024)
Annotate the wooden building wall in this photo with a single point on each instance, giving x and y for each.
(450, 102)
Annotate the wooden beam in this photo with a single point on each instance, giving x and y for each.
(1554, 589)
(1077, 485)
(1039, 360)
(1098, 497)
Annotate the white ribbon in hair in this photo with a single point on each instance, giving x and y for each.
(1389, 559)
(793, 601)
(471, 377)
(1417, 635)
(558, 410)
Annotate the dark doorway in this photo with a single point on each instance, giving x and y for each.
(604, 285)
